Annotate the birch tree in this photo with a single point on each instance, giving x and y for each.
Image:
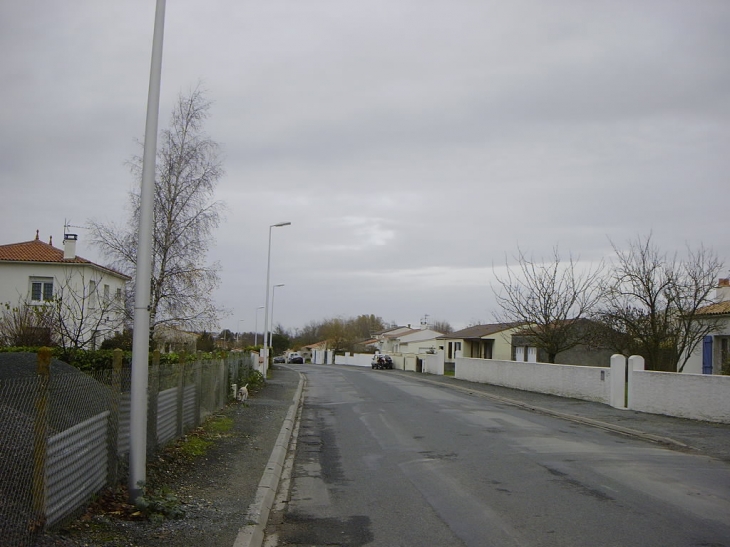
(185, 216)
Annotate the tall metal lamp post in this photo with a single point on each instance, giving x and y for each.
(266, 305)
(256, 329)
(143, 276)
(273, 297)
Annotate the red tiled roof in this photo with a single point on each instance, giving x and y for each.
(719, 308)
(35, 251)
(38, 251)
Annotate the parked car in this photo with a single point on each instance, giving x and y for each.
(279, 359)
(382, 361)
(296, 359)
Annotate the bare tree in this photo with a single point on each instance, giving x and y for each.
(444, 327)
(339, 333)
(78, 316)
(185, 216)
(652, 300)
(550, 298)
(26, 324)
(83, 315)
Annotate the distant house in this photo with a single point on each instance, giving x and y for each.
(367, 346)
(387, 340)
(713, 354)
(418, 341)
(169, 340)
(491, 341)
(88, 299)
(525, 349)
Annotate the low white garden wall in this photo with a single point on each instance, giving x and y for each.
(355, 359)
(434, 363)
(587, 383)
(693, 396)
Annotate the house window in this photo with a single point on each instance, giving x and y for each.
(119, 293)
(41, 289)
(92, 294)
(106, 292)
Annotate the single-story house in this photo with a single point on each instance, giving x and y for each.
(712, 356)
(387, 339)
(525, 349)
(491, 341)
(418, 341)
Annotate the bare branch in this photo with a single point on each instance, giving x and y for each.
(550, 298)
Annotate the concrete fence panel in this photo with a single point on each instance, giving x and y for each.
(434, 363)
(76, 467)
(577, 382)
(693, 396)
(354, 359)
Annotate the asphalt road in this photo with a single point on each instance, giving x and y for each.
(383, 459)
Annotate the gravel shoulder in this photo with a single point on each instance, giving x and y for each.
(216, 490)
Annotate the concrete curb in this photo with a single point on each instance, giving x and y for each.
(252, 534)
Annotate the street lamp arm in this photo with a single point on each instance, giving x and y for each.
(266, 305)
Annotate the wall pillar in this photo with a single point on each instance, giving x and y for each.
(636, 363)
(618, 381)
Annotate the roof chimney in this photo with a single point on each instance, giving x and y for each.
(722, 292)
(69, 246)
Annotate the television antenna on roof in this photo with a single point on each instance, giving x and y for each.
(67, 224)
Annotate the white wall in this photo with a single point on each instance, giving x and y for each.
(354, 359)
(434, 363)
(694, 396)
(587, 383)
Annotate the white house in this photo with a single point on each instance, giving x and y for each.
(387, 339)
(418, 341)
(712, 356)
(491, 341)
(87, 299)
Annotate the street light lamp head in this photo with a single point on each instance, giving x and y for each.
(280, 224)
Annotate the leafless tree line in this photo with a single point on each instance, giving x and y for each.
(644, 302)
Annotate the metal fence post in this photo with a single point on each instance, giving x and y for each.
(153, 390)
(198, 389)
(40, 444)
(181, 395)
(113, 434)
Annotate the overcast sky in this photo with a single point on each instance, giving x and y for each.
(412, 144)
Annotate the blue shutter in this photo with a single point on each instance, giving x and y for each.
(707, 355)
